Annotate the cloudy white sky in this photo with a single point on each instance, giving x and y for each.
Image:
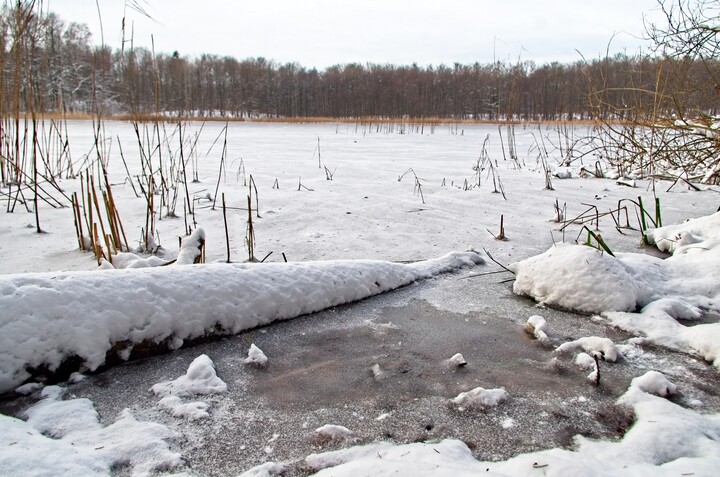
(320, 33)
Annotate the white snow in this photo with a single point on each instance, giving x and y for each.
(537, 326)
(191, 248)
(334, 431)
(593, 345)
(480, 398)
(652, 382)
(664, 291)
(65, 437)
(256, 356)
(192, 411)
(85, 313)
(200, 379)
(585, 361)
(579, 278)
(267, 469)
(457, 360)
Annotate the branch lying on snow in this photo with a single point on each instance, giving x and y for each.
(53, 318)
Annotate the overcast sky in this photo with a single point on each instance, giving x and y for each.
(320, 33)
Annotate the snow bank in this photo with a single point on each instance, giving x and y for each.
(78, 444)
(664, 291)
(665, 440)
(48, 317)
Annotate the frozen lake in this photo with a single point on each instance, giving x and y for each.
(322, 366)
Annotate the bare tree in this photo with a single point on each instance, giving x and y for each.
(660, 120)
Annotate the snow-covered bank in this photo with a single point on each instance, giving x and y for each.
(47, 318)
(642, 294)
(65, 437)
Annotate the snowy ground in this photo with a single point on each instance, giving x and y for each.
(376, 374)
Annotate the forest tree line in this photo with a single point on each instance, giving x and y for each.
(50, 66)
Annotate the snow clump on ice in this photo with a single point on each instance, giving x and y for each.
(457, 360)
(593, 345)
(480, 398)
(333, 431)
(536, 326)
(267, 469)
(199, 379)
(256, 356)
(654, 382)
(585, 361)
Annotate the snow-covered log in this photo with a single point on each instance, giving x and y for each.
(46, 318)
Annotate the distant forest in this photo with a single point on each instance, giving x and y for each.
(50, 66)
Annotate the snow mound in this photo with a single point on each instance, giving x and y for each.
(480, 398)
(256, 356)
(681, 287)
(199, 379)
(49, 317)
(577, 277)
(654, 382)
(593, 345)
